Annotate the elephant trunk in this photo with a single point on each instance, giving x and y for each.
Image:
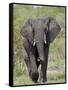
(40, 48)
(39, 41)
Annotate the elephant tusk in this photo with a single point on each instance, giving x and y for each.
(45, 42)
(34, 44)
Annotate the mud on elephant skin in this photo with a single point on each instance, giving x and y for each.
(38, 34)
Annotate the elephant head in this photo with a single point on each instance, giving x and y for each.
(39, 32)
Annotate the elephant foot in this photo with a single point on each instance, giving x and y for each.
(43, 78)
(43, 81)
(34, 76)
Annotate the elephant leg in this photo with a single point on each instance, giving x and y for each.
(26, 59)
(25, 51)
(43, 73)
(31, 60)
(34, 71)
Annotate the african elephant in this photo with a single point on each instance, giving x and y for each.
(38, 34)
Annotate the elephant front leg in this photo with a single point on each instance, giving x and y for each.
(26, 59)
(43, 73)
(34, 71)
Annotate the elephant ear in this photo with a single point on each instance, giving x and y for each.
(53, 30)
(27, 32)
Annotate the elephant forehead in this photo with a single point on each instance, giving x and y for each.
(39, 30)
(39, 36)
(38, 24)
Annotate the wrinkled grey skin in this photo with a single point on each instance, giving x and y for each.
(38, 34)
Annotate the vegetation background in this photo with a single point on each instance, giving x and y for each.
(56, 63)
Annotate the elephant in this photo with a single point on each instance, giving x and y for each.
(37, 35)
